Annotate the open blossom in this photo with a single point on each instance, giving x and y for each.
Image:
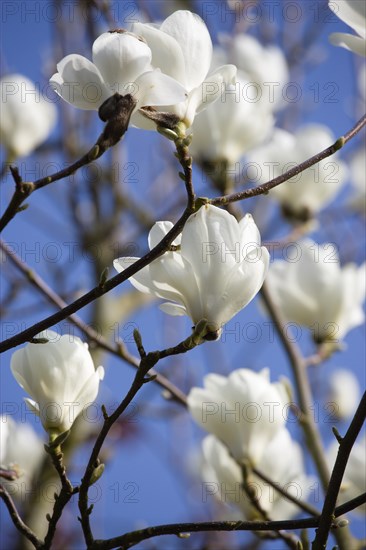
(353, 13)
(281, 461)
(230, 127)
(311, 190)
(21, 450)
(182, 48)
(121, 64)
(315, 291)
(244, 410)
(60, 377)
(217, 271)
(27, 118)
(264, 67)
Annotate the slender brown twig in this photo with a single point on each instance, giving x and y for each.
(266, 187)
(312, 436)
(16, 519)
(148, 360)
(119, 350)
(345, 448)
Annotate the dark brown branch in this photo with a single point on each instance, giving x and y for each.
(277, 487)
(116, 111)
(345, 448)
(134, 537)
(263, 189)
(148, 361)
(100, 290)
(312, 436)
(119, 350)
(16, 519)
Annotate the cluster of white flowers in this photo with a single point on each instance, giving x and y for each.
(164, 67)
(245, 415)
(217, 265)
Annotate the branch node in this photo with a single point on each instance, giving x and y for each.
(138, 340)
(338, 436)
(104, 413)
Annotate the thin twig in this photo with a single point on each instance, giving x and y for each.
(266, 187)
(148, 361)
(345, 448)
(312, 436)
(135, 537)
(119, 350)
(299, 503)
(18, 522)
(113, 131)
(158, 250)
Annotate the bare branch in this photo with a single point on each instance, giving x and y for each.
(266, 187)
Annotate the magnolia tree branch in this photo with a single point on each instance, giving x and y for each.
(266, 187)
(148, 360)
(345, 447)
(101, 289)
(277, 487)
(118, 350)
(164, 244)
(312, 436)
(289, 539)
(61, 499)
(16, 519)
(117, 124)
(128, 540)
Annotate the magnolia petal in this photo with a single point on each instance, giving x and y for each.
(173, 280)
(120, 58)
(167, 54)
(158, 232)
(156, 88)
(191, 33)
(249, 233)
(209, 91)
(173, 309)
(32, 405)
(141, 280)
(352, 12)
(349, 42)
(80, 83)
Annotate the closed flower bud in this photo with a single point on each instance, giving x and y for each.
(59, 376)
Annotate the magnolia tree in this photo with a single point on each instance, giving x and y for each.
(239, 424)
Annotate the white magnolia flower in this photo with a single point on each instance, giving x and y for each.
(122, 64)
(344, 392)
(20, 449)
(265, 67)
(27, 118)
(281, 461)
(60, 377)
(354, 479)
(311, 190)
(181, 47)
(315, 291)
(230, 127)
(218, 270)
(353, 13)
(244, 410)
